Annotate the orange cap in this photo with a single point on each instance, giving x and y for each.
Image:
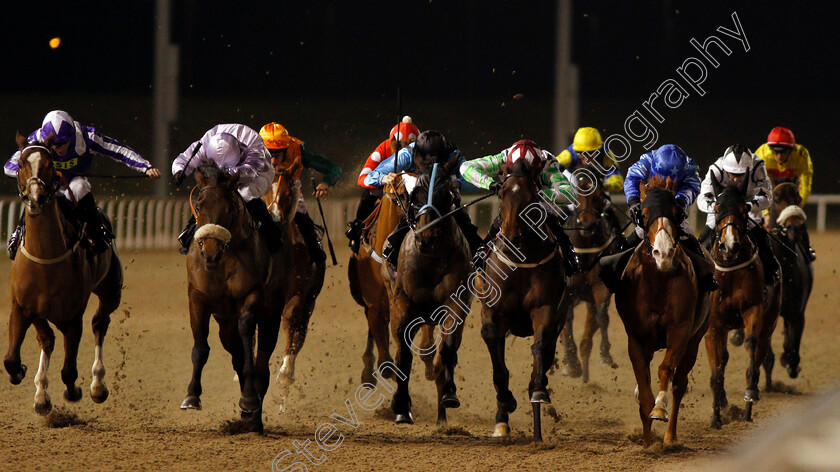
(276, 136)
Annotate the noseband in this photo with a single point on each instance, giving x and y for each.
(23, 191)
(211, 230)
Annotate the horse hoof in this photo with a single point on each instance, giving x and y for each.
(793, 372)
(191, 403)
(73, 395)
(43, 409)
(502, 430)
(404, 419)
(659, 414)
(607, 360)
(751, 395)
(450, 400)
(573, 371)
(17, 377)
(540, 396)
(285, 380)
(716, 423)
(99, 394)
(250, 404)
(736, 338)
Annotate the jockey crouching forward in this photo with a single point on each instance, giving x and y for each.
(667, 161)
(430, 146)
(234, 148)
(489, 172)
(73, 148)
(736, 164)
(285, 152)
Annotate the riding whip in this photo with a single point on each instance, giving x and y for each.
(195, 151)
(324, 222)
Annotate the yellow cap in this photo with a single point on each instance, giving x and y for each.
(276, 136)
(587, 139)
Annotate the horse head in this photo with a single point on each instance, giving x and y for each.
(518, 192)
(36, 174)
(589, 214)
(219, 211)
(432, 197)
(730, 217)
(661, 219)
(282, 201)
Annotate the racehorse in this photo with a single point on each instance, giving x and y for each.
(232, 276)
(592, 236)
(659, 304)
(307, 277)
(526, 273)
(743, 300)
(53, 280)
(434, 262)
(787, 223)
(370, 285)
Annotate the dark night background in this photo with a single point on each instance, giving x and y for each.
(329, 71)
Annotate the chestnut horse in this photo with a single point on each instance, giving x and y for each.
(742, 301)
(787, 223)
(306, 278)
(433, 267)
(52, 280)
(233, 277)
(527, 277)
(592, 236)
(659, 304)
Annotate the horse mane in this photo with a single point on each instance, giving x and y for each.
(212, 173)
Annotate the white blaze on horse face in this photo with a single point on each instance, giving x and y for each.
(664, 245)
(34, 161)
(729, 238)
(41, 381)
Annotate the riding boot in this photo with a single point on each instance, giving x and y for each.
(765, 253)
(612, 267)
(570, 259)
(354, 234)
(806, 243)
(95, 230)
(270, 229)
(703, 267)
(391, 251)
(479, 260)
(469, 230)
(705, 237)
(367, 204)
(15, 239)
(307, 230)
(186, 236)
(620, 243)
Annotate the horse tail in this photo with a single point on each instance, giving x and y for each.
(353, 276)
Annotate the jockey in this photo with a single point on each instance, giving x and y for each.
(738, 163)
(285, 151)
(402, 134)
(429, 144)
(668, 161)
(73, 148)
(587, 150)
(489, 172)
(234, 148)
(787, 160)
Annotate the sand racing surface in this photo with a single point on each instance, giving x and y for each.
(147, 357)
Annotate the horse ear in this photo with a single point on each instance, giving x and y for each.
(450, 166)
(716, 186)
(49, 141)
(669, 184)
(642, 189)
(20, 140)
(233, 181)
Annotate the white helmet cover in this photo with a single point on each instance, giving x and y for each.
(737, 159)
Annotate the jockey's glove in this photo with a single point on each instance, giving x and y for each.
(179, 177)
(495, 186)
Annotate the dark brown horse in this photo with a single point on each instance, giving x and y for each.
(592, 236)
(787, 224)
(659, 303)
(523, 284)
(743, 301)
(52, 280)
(306, 277)
(233, 278)
(433, 266)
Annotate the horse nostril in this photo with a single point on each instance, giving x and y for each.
(656, 252)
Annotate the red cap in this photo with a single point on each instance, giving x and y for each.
(781, 137)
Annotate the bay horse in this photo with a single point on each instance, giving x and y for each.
(306, 278)
(661, 308)
(787, 223)
(743, 300)
(233, 278)
(527, 274)
(52, 280)
(429, 290)
(592, 237)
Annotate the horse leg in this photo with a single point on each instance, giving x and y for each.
(18, 324)
(267, 333)
(602, 316)
(718, 355)
(368, 360)
(250, 401)
(232, 343)
(295, 329)
(571, 364)
(427, 345)
(379, 327)
(72, 331)
(200, 326)
(680, 385)
(401, 401)
(109, 293)
(768, 364)
(546, 331)
(758, 338)
(493, 334)
(793, 329)
(589, 329)
(46, 339)
(676, 347)
(445, 376)
(640, 357)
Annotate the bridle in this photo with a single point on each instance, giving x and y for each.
(196, 209)
(24, 189)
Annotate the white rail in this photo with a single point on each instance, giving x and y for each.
(148, 223)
